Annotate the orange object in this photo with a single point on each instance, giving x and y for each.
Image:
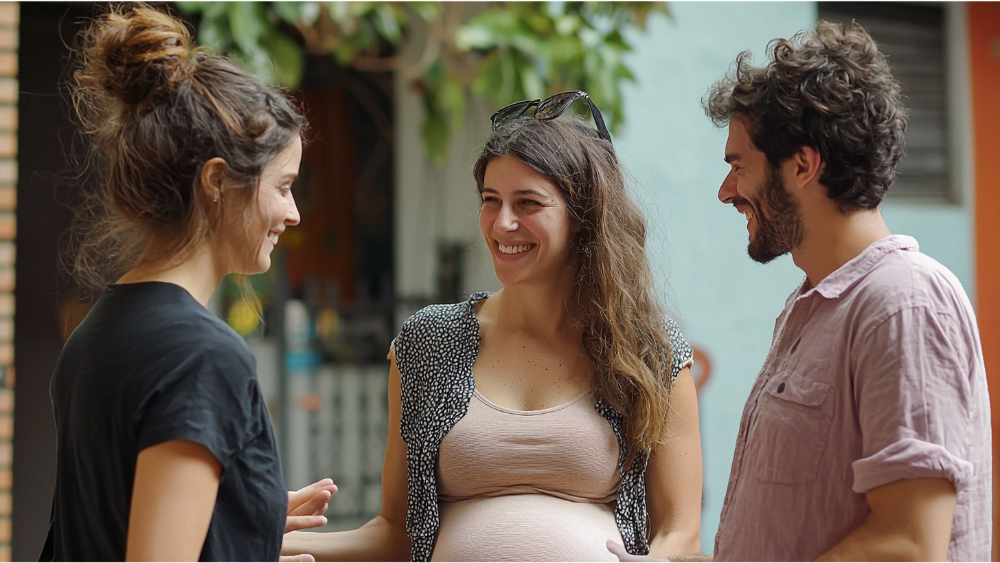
(310, 402)
(984, 63)
(702, 368)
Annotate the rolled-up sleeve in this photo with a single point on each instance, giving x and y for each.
(913, 390)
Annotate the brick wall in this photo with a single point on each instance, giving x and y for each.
(9, 19)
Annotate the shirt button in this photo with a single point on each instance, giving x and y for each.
(781, 388)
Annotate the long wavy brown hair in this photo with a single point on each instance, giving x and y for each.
(622, 319)
(152, 110)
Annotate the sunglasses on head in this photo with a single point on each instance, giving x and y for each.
(549, 108)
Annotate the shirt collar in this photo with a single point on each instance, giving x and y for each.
(845, 276)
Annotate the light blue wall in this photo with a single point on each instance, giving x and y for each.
(726, 303)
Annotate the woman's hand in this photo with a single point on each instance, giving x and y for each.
(307, 505)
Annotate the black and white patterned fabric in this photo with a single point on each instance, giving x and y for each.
(435, 350)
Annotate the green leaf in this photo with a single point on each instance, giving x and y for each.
(498, 21)
(339, 11)
(190, 7)
(247, 24)
(215, 10)
(435, 134)
(453, 99)
(258, 61)
(425, 10)
(388, 24)
(488, 82)
(590, 38)
(475, 36)
(290, 12)
(310, 12)
(568, 25)
(531, 82)
(286, 57)
(213, 33)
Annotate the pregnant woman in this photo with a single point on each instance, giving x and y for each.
(558, 414)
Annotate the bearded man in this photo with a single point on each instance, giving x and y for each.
(867, 433)
(866, 436)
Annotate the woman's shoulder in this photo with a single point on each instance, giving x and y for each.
(443, 320)
(681, 352)
(437, 332)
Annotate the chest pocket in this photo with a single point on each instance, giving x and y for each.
(792, 428)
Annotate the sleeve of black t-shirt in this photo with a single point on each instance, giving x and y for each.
(207, 396)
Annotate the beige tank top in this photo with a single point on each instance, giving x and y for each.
(528, 485)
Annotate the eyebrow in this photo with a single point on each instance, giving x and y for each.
(731, 157)
(289, 176)
(519, 192)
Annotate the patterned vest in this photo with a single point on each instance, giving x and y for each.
(435, 350)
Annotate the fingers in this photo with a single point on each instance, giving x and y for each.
(311, 499)
(299, 557)
(316, 504)
(310, 490)
(293, 523)
(622, 554)
(618, 550)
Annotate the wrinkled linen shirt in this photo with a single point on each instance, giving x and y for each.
(873, 376)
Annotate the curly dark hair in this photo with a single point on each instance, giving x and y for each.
(829, 89)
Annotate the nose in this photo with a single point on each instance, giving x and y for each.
(506, 219)
(292, 217)
(728, 191)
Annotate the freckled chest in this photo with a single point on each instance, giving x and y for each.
(530, 373)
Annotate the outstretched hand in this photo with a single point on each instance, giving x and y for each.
(307, 505)
(619, 551)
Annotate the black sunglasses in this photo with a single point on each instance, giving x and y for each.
(549, 108)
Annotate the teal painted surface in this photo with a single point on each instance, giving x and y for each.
(943, 231)
(726, 303)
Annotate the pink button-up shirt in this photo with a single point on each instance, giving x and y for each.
(873, 376)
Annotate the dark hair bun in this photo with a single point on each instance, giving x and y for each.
(133, 53)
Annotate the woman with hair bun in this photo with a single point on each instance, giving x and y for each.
(165, 448)
(554, 420)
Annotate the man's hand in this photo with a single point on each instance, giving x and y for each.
(619, 551)
(626, 557)
(307, 505)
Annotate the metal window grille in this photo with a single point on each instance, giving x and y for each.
(913, 38)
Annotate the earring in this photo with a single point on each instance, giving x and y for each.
(215, 199)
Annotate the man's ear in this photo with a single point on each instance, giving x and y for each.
(808, 164)
(213, 178)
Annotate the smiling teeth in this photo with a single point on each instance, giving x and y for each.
(514, 249)
(273, 239)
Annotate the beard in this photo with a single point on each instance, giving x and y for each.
(779, 220)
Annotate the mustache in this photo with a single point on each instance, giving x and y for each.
(743, 201)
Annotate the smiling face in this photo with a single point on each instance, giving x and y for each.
(526, 224)
(756, 189)
(275, 210)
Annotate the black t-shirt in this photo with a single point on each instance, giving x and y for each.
(150, 364)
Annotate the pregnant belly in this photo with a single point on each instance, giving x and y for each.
(534, 527)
